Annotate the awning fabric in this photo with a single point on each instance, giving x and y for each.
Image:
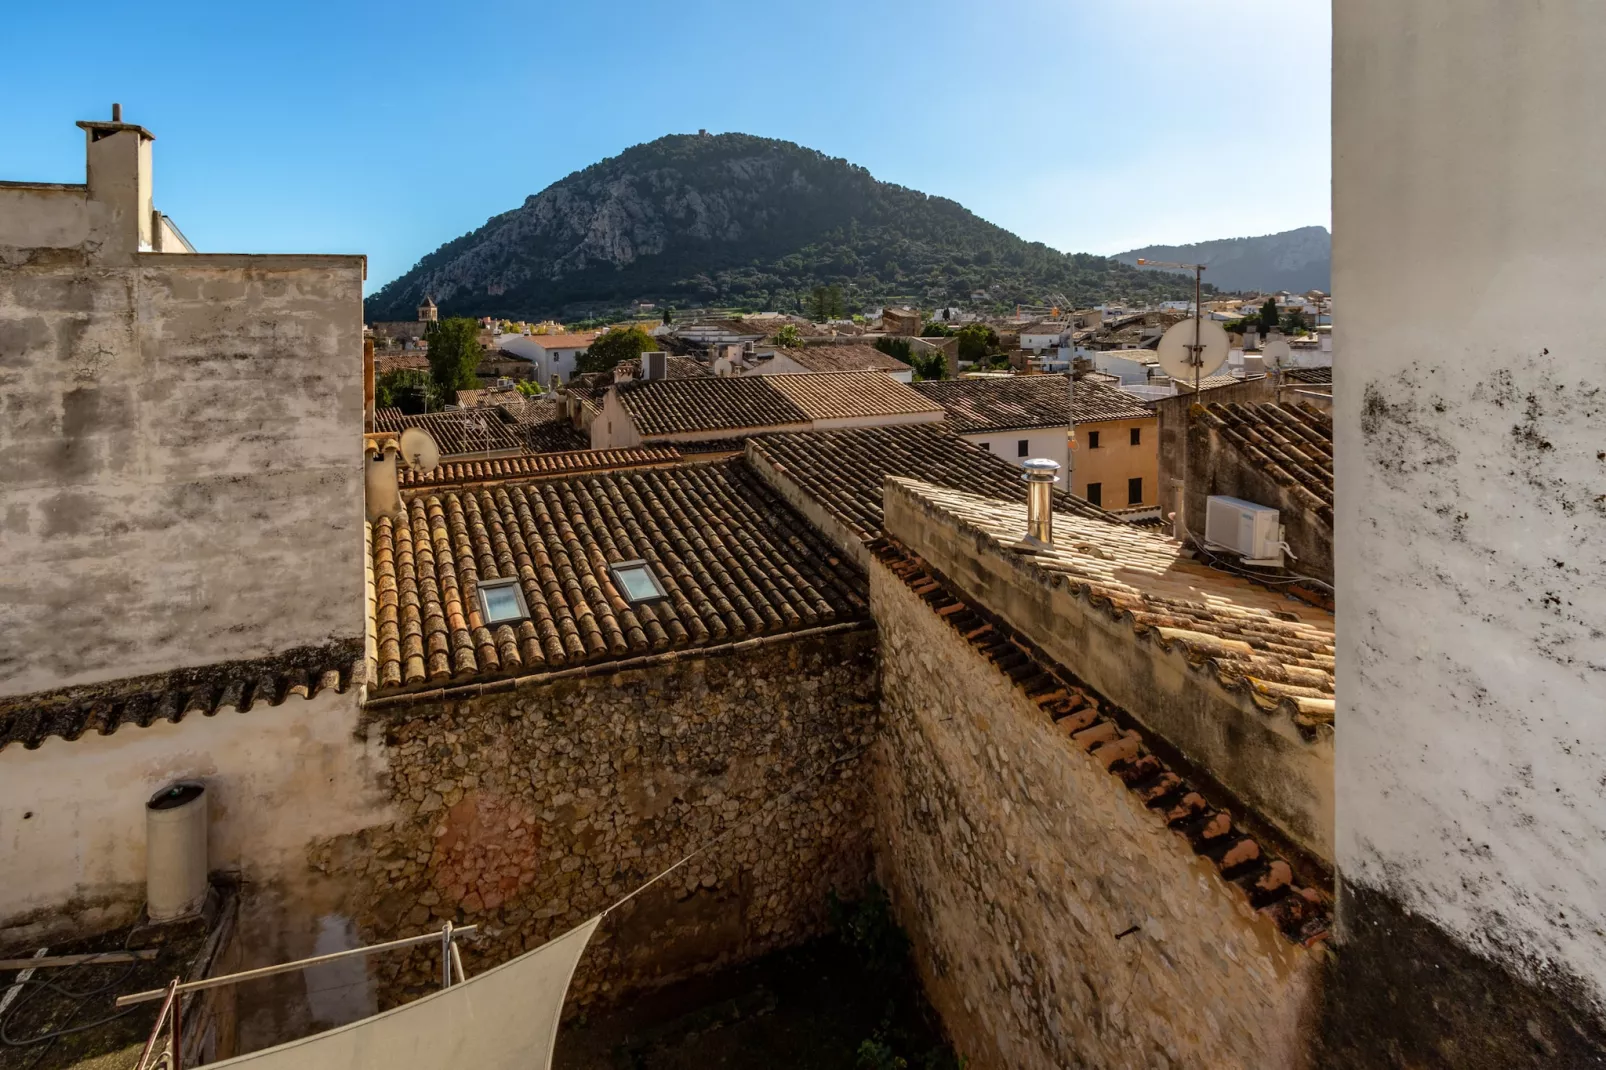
(506, 1018)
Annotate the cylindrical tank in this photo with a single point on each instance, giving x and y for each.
(175, 851)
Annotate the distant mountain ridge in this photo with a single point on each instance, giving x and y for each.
(1294, 260)
(740, 221)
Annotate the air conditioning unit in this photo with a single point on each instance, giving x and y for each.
(1243, 528)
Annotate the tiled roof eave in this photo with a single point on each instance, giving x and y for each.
(502, 682)
(72, 712)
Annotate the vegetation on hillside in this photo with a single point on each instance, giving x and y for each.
(740, 221)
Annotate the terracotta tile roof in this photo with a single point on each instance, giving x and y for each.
(1291, 443)
(850, 395)
(564, 341)
(1210, 382)
(1092, 724)
(844, 470)
(848, 358)
(458, 432)
(672, 406)
(1249, 638)
(1313, 376)
(391, 362)
(536, 466)
(1018, 401)
(171, 696)
(736, 561)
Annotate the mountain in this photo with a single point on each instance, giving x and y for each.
(1295, 260)
(732, 220)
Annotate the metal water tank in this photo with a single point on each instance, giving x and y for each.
(175, 851)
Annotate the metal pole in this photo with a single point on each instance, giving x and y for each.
(446, 955)
(457, 964)
(171, 992)
(178, 1031)
(290, 967)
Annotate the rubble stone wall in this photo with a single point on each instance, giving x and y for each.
(1055, 919)
(529, 810)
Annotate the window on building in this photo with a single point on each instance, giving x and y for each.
(501, 602)
(1137, 436)
(1092, 440)
(1095, 493)
(1020, 448)
(636, 581)
(1134, 491)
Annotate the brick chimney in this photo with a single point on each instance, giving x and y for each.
(119, 169)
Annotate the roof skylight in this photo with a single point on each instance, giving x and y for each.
(635, 580)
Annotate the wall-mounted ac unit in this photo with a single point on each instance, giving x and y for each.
(1243, 528)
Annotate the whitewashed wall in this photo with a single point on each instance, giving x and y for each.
(1471, 464)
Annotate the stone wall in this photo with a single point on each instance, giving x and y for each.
(528, 810)
(1056, 920)
(1215, 466)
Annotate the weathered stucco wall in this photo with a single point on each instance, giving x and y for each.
(1021, 867)
(163, 424)
(72, 813)
(1471, 507)
(1261, 758)
(527, 811)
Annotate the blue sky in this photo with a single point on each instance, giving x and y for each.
(388, 129)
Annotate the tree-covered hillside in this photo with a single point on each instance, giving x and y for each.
(740, 221)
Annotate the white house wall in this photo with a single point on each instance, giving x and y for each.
(1471, 463)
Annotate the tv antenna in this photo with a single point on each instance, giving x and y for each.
(418, 449)
(1181, 354)
(1276, 351)
(1189, 348)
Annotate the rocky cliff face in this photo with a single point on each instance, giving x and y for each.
(739, 220)
(1294, 260)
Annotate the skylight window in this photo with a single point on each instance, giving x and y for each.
(502, 602)
(636, 581)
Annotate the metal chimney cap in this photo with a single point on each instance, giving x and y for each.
(1040, 470)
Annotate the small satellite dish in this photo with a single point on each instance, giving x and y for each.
(419, 450)
(1275, 352)
(1176, 349)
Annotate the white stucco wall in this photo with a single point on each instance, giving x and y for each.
(1040, 442)
(278, 778)
(1471, 463)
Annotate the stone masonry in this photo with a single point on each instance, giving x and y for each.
(1057, 921)
(528, 810)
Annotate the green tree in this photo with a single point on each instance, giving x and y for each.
(408, 389)
(976, 341)
(1268, 315)
(454, 356)
(619, 344)
(933, 329)
(894, 347)
(789, 337)
(825, 303)
(669, 314)
(933, 365)
(529, 388)
(1294, 322)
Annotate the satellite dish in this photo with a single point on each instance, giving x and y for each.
(1176, 349)
(1275, 352)
(419, 450)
